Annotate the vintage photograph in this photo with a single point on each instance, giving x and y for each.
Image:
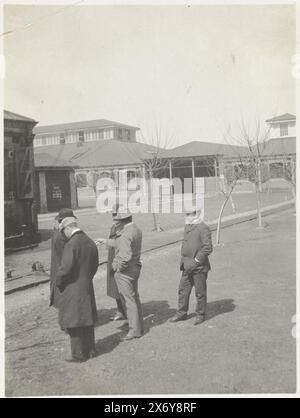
(149, 198)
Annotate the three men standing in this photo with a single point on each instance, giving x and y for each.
(196, 247)
(79, 263)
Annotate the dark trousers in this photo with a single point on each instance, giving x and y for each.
(198, 280)
(82, 341)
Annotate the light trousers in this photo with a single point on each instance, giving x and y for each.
(128, 289)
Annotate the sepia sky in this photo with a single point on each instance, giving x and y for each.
(190, 70)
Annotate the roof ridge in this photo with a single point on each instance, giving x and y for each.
(196, 141)
(17, 115)
(76, 125)
(86, 154)
(284, 116)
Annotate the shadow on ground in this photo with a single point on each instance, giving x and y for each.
(155, 313)
(108, 344)
(104, 316)
(218, 307)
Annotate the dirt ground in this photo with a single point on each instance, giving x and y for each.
(245, 346)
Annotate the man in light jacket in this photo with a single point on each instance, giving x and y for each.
(112, 288)
(127, 267)
(196, 247)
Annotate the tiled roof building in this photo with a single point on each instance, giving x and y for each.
(81, 132)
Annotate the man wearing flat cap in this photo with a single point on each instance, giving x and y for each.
(196, 247)
(77, 311)
(57, 245)
(127, 267)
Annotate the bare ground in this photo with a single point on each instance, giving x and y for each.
(245, 346)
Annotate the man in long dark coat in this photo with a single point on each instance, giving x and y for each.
(77, 309)
(57, 246)
(196, 247)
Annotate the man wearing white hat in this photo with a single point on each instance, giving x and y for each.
(196, 247)
(77, 309)
(127, 267)
(57, 246)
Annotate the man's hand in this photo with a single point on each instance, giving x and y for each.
(110, 243)
(189, 265)
(100, 241)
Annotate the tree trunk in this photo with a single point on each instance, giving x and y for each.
(294, 182)
(220, 219)
(225, 187)
(232, 204)
(293, 187)
(259, 178)
(156, 226)
(258, 205)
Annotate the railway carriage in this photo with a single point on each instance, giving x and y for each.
(21, 226)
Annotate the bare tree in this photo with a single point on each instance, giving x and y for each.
(253, 139)
(289, 174)
(154, 162)
(230, 181)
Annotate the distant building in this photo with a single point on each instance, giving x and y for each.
(94, 160)
(280, 150)
(98, 148)
(81, 132)
(210, 160)
(200, 159)
(55, 185)
(282, 126)
(108, 149)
